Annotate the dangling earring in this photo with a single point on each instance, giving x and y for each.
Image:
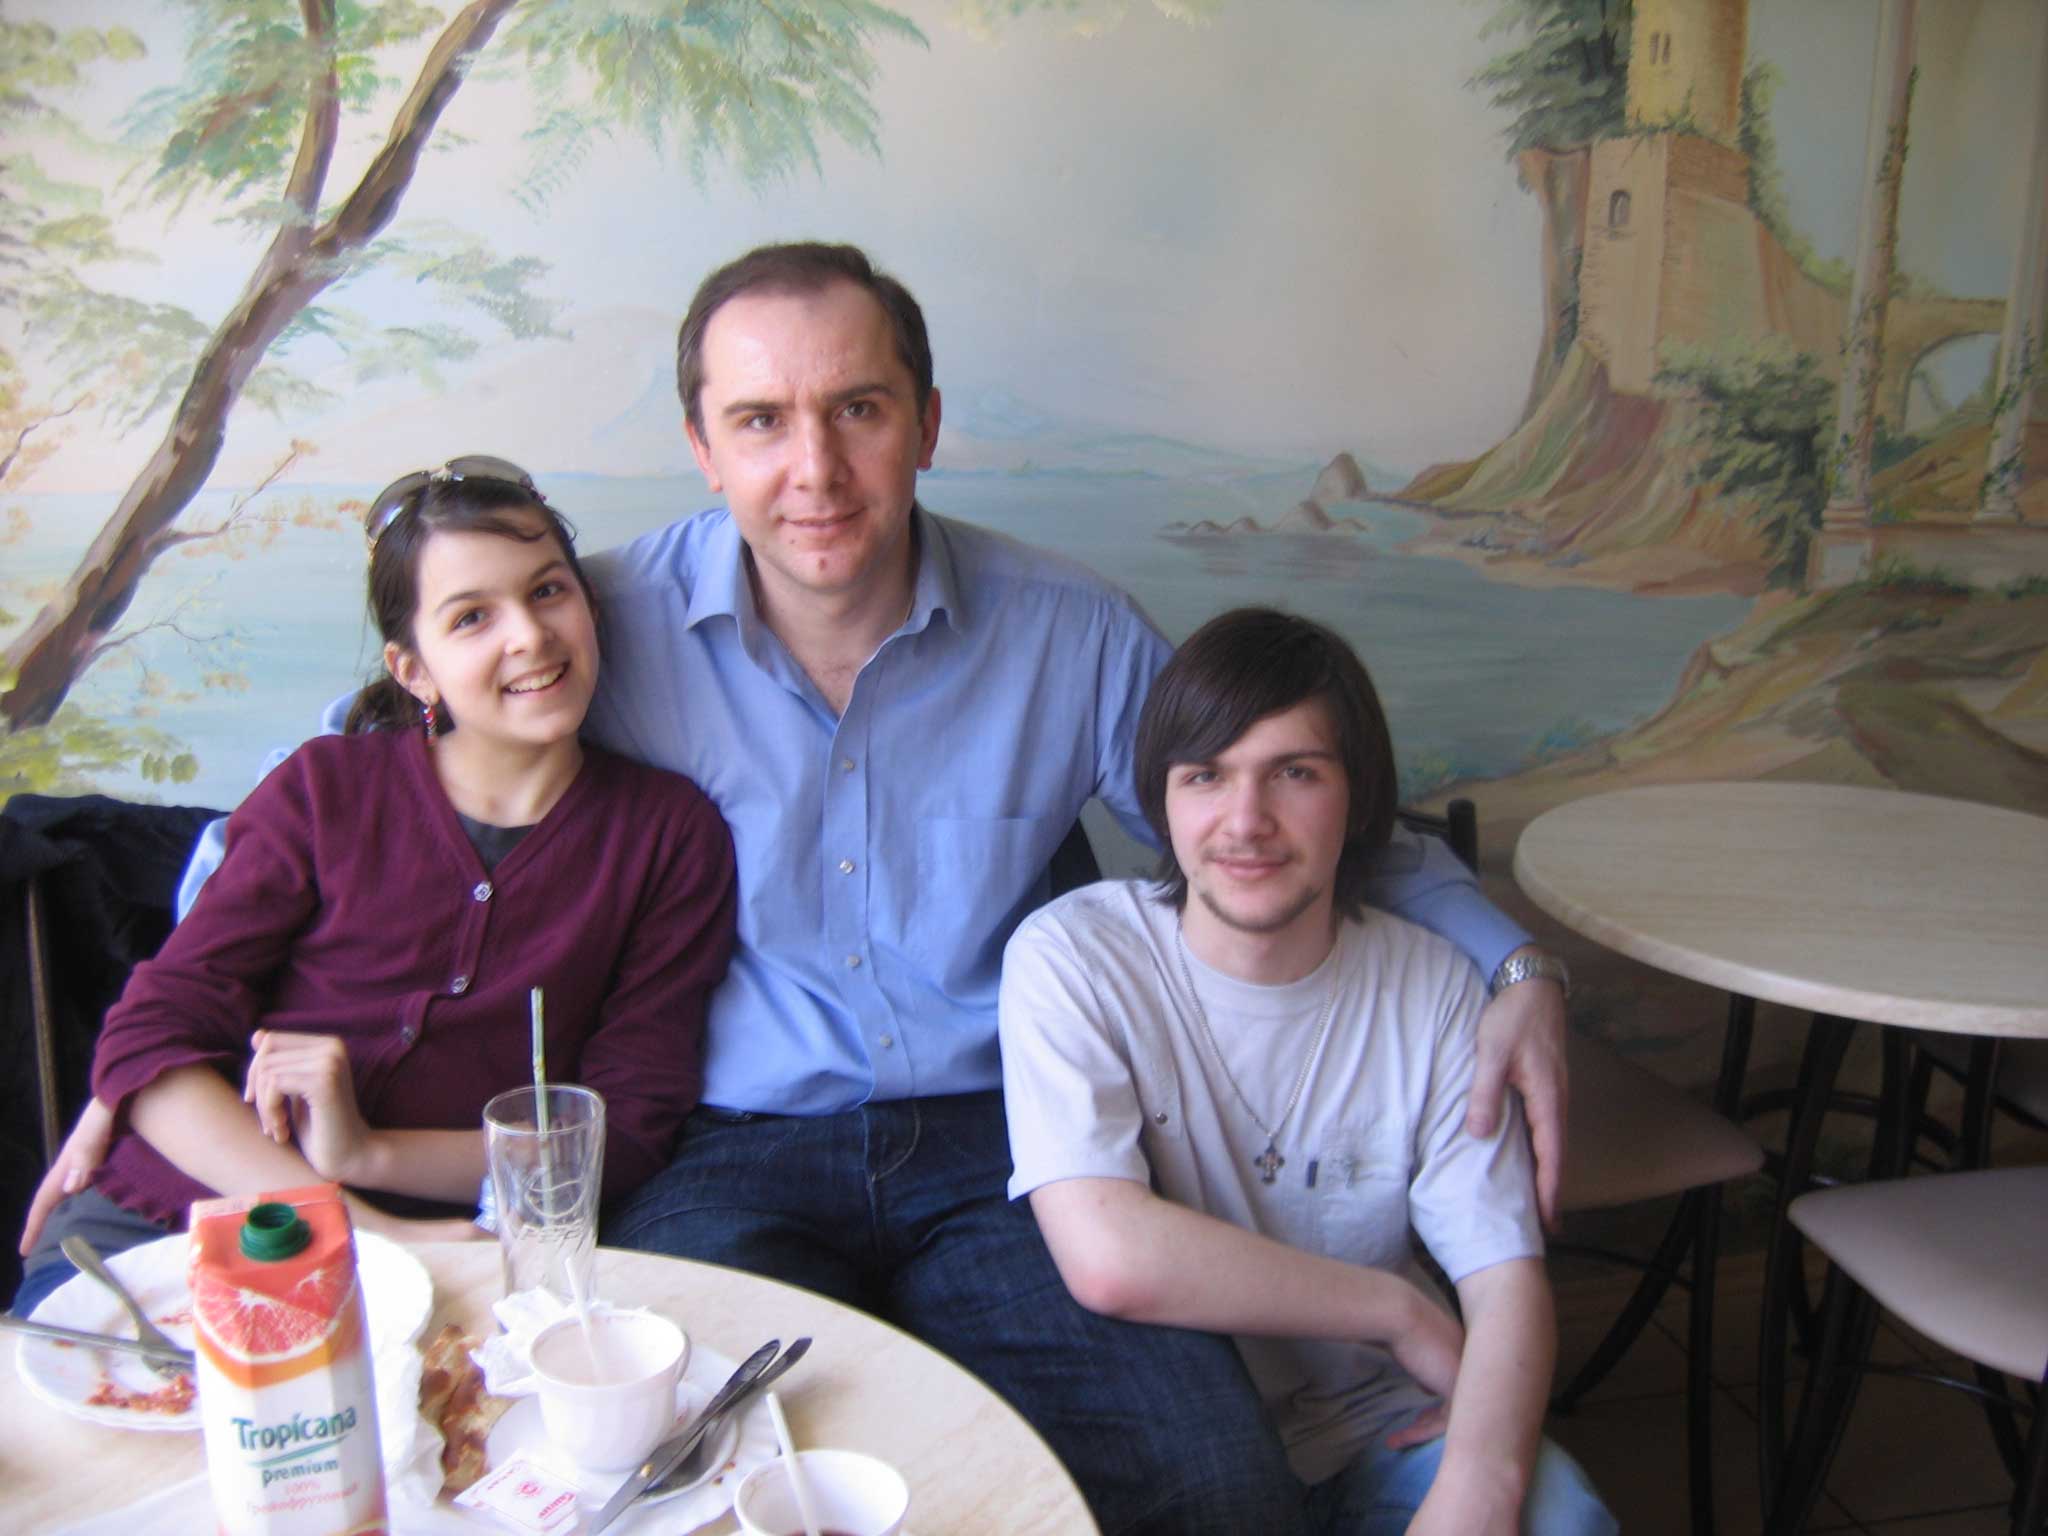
(430, 720)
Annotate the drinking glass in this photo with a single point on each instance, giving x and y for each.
(545, 1185)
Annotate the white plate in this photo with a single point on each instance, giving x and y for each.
(739, 1448)
(398, 1296)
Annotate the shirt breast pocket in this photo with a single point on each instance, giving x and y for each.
(976, 877)
(1355, 1186)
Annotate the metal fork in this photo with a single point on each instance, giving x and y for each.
(87, 1258)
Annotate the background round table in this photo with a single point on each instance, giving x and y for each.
(1869, 904)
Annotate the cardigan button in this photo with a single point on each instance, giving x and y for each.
(408, 1034)
(482, 891)
(459, 985)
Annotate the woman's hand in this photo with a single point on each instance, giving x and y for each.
(301, 1088)
(82, 1153)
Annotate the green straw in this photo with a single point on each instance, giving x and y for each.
(540, 1067)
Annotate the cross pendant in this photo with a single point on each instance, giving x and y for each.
(1269, 1163)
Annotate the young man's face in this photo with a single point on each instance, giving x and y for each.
(812, 432)
(1258, 831)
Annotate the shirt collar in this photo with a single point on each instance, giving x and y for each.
(722, 587)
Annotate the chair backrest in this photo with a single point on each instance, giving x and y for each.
(1458, 827)
(1074, 863)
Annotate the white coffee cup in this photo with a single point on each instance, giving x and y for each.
(608, 1399)
(851, 1494)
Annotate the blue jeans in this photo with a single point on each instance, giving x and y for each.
(900, 1208)
(1380, 1491)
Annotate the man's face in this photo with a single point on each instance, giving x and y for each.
(812, 432)
(1258, 831)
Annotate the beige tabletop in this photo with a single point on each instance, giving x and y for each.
(1871, 904)
(973, 1465)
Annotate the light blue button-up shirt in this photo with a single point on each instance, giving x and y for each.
(886, 854)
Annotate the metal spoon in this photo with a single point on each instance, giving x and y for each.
(87, 1258)
(692, 1466)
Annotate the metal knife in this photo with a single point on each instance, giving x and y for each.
(670, 1451)
(97, 1340)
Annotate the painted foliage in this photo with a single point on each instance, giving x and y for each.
(1510, 338)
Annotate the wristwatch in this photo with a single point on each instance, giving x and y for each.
(1525, 964)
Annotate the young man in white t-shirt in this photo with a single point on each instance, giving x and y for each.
(1233, 1092)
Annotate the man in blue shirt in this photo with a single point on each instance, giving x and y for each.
(900, 717)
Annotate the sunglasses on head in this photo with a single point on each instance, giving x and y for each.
(404, 492)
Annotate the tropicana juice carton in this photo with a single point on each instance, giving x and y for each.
(285, 1392)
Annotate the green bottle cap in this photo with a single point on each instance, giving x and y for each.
(274, 1231)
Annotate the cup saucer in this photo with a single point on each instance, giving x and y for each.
(739, 1445)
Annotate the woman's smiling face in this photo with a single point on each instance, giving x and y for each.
(504, 639)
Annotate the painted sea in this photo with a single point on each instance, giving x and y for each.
(1478, 677)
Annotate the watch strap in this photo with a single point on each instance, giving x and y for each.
(1528, 965)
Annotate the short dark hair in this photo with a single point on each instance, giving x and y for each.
(1232, 673)
(800, 268)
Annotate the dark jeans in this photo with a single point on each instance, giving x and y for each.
(900, 1208)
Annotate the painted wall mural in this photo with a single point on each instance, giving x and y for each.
(1650, 390)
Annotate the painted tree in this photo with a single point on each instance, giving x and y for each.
(1564, 87)
(252, 127)
(1755, 430)
(49, 225)
(1877, 247)
(1567, 84)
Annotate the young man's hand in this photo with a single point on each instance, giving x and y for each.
(1467, 1502)
(1429, 1345)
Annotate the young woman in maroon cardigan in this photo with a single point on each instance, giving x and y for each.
(352, 985)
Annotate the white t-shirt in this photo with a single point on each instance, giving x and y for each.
(1107, 1074)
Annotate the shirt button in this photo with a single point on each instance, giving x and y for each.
(1160, 1118)
(459, 985)
(888, 1041)
(846, 765)
(482, 891)
(846, 866)
(853, 962)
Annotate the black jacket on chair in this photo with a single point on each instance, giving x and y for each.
(108, 872)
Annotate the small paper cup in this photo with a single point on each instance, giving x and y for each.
(851, 1494)
(607, 1410)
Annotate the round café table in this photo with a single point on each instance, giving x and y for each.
(972, 1463)
(1857, 904)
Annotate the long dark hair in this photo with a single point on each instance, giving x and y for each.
(1232, 673)
(471, 504)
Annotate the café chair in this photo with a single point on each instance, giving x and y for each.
(1632, 1136)
(1960, 1258)
(2017, 1077)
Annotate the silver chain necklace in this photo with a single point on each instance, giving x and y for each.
(1269, 1162)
